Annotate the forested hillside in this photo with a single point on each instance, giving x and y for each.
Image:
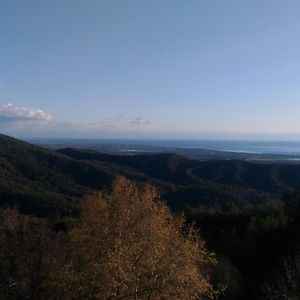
(247, 213)
(46, 182)
(42, 182)
(204, 182)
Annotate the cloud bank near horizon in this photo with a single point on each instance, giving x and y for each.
(13, 117)
(22, 121)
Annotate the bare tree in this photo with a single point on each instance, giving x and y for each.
(26, 254)
(285, 283)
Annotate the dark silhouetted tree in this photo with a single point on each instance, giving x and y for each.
(27, 249)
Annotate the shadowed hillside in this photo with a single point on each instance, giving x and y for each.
(44, 182)
(272, 178)
(205, 182)
(230, 202)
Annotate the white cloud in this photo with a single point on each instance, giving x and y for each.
(124, 121)
(20, 120)
(140, 121)
(18, 115)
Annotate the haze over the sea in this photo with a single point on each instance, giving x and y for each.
(239, 146)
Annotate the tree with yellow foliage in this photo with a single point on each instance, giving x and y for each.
(128, 245)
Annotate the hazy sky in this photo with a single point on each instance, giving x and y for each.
(155, 68)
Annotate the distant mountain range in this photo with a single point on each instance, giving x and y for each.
(51, 182)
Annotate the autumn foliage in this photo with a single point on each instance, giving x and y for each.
(129, 246)
(126, 245)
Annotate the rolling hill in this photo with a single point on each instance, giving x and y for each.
(47, 182)
(43, 182)
(272, 178)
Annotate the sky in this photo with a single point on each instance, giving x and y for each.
(179, 69)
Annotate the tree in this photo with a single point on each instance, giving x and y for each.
(26, 253)
(128, 245)
(285, 283)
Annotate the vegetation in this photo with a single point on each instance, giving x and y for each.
(28, 249)
(122, 242)
(47, 183)
(285, 283)
(254, 243)
(126, 245)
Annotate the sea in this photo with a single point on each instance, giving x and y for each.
(239, 146)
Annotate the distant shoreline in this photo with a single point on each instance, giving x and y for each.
(233, 146)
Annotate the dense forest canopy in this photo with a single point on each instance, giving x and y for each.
(126, 245)
(45, 182)
(83, 225)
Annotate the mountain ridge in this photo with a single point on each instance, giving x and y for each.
(47, 182)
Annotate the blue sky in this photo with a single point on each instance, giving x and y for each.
(150, 69)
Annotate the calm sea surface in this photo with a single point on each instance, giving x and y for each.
(267, 147)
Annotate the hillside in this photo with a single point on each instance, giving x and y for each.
(205, 182)
(46, 182)
(272, 177)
